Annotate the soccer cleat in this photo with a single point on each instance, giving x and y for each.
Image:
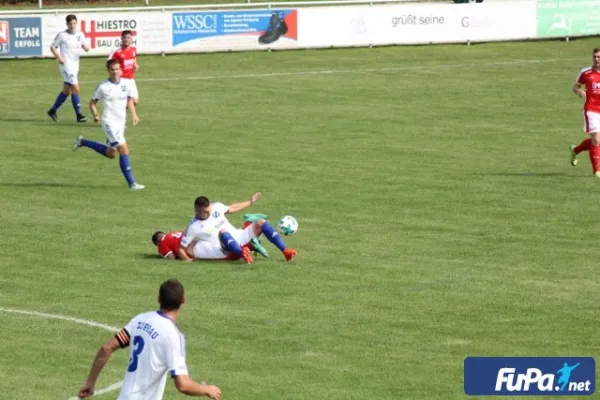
(52, 114)
(77, 143)
(289, 254)
(259, 248)
(573, 155)
(597, 174)
(136, 186)
(247, 256)
(81, 118)
(253, 217)
(277, 28)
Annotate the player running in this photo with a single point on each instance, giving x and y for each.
(126, 54)
(117, 94)
(157, 349)
(70, 43)
(169, 245)
(587, 86)
(210, 224)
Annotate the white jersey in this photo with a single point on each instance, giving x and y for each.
(115, 96)
(157, 348)
(70, 45)
(208, 229)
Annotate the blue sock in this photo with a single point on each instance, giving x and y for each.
(59, 101)
(126, 169)
(98, 147)
(273, 236)
(230, 243)
(76, 103)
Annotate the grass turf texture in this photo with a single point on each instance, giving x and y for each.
(439, 218)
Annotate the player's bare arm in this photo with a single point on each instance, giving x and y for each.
(187, 385)
(94, 110)
(578, 90)
(85, 47)
(236, 207)
(57, 54)
(102, 357)
(187, 253)
(183, 253)
(132, 110)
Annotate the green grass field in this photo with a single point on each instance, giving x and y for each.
(439, 218)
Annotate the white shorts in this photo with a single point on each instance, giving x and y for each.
(213, 251)
(69, 76)
(591, 122)
(209, 251)
(115, 134)
(244, 236)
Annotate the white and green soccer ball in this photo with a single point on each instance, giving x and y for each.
(288, 225)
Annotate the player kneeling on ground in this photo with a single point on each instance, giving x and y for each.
(211, 225)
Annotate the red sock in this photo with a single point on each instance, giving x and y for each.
(583, 146)
(247, 224)
(595, 157)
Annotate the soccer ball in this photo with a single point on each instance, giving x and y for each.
(288, 225)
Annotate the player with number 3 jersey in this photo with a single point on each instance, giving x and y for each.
(156, 350)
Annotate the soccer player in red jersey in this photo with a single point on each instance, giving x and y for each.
(587, 87)
(126, 54)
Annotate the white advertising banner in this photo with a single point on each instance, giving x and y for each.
(158, 32)
(416, 23)
(151, 30)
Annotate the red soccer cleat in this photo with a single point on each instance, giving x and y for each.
(289, 254)
(247, 256)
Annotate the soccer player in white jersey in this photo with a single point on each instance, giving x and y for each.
(157, 349)
(66, 47)
(118, 95)
(210, 224)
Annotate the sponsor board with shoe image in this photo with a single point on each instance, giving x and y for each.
(246, 29)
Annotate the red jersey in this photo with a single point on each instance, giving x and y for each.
(170, 244)
(591, 80)
(126, 58)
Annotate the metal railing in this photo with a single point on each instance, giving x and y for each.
(148, 7)
(247, 3)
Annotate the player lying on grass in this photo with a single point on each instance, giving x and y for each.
(169, 245)
(210, 225)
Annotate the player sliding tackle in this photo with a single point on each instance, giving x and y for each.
(210, 225)
(169, 245)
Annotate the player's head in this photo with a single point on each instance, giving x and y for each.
(202, 207)
(126, 38)
(114, 69)
(171, 295)
(71, 22)
(596, 57)
(157, 237)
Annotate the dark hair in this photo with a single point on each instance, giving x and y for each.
(202, 201)
(70, 18)
(126, 32)
(597, 49)
(170, 294)
(112, 62)
(155, 237)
